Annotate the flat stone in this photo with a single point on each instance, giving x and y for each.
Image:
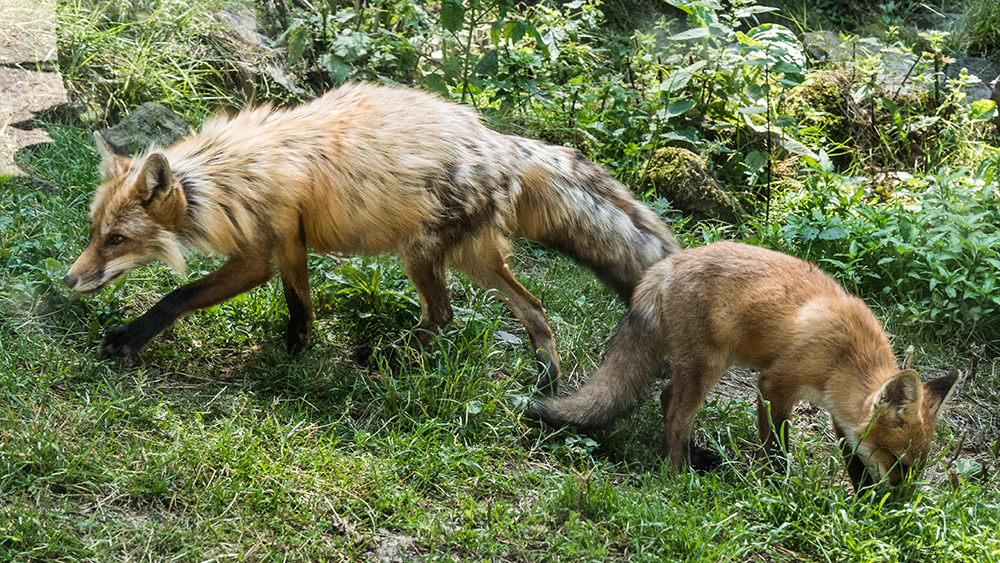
(27, 87)
(145, 126)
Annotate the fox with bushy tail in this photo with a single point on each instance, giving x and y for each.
(727, 303)
(364, 169)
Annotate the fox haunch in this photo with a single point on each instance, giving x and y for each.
(727, 303)
(362, 170)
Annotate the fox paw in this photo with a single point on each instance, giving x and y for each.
(364, 355)
(360, 354)
(703, 459)
(296, 340)
(121, 341)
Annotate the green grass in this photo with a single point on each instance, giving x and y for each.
(214, 444)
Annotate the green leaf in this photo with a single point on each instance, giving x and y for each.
(488, 64)
(695, 33)
(337, 69)
(679, 107)
(436, 83)
(982, 110)
(968, 467)
(755, 162)
(678, 79)
(833, 233)
(298, 41)
(473, 407)
(452, 15)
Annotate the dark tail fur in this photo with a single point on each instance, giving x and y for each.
(633, 361)
(576, 207)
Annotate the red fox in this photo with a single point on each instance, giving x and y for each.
(728, 303)
(363, 169)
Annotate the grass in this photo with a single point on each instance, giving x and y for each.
(214, 444)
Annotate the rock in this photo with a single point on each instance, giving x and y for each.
(935, 21)
(682, 178)
(506, 338)
(996, 99)
(986, 71)
(148, 124)
(818, 45)
(253, 55)
(28, 88)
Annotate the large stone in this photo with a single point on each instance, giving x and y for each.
(682, 178)
(28, 87)
(148, 124)
(254, 59)
(986, 71)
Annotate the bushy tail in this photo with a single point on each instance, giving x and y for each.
(633, 361)
(574, 206)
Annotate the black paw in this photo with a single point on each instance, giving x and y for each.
(122, 341)
(548, 380)
(360, 354)
(296, 338)
(703, 459)
(364, 355)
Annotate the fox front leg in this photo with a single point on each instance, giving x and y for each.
(239, 275)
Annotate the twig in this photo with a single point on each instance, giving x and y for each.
(958, 449)
(950, 466)
(977, 354)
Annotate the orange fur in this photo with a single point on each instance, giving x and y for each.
(728, 303)
(363, 169)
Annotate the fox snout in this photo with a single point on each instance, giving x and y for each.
(75, 283)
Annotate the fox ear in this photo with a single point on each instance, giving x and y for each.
(937, 391)
(155, 180)
(108, 157)
(900, 397)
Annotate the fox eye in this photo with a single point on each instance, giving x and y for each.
(114, 240)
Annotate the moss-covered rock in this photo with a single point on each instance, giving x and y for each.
(825, 104)
(682, 178)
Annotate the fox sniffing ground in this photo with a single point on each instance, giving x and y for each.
(727, 303)
(364, 169)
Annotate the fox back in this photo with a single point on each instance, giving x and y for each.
(363, 169)
(727, 303)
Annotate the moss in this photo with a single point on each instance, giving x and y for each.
(828, 95)
(682, 178)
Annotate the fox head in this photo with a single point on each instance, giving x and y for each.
(898, 439)
(134, 218)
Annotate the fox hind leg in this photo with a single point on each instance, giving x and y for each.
(424, 263)
(482, 260)
(774, 409)
(292, 260)
(702, 459)
(694, 375)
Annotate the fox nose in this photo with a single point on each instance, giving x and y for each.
(70, 281)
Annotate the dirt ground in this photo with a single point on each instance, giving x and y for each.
(29, 81)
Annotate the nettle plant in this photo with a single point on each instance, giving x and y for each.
(930, 252)
(739, 80)
(449, 46)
